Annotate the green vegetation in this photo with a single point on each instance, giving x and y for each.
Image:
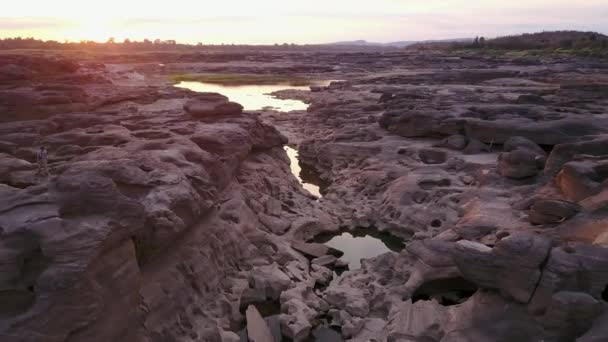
(566, 43)
(241, 79)
(586, 52)
(565, 40)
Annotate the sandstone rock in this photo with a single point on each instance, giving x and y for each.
(549, 211)
(251, 296)
(352, 327)
(433, 261)
(420, 320)
(570, 314)
(513, 266)
(316, 250)
(529, 98)
(518, 164)
(544, 132)
(586, 228)
(454, 142)
(521, 143)
(432, 156)
(567, 152)
(598, 332)
(270, 279)
(300, 306)
(306, 228)
(579, 180)
(201, 109)
(257, 329)
(321, 274)
(347, 298)
(475, 146)
(326, 261)
(385, 97)
(315, 89)
(579, 269)
(10, 72)
(373, 329)
(325, 334)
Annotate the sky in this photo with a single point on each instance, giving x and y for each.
(284, 21)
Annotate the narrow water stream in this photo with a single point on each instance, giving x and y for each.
(356, 245)
(296, 169)
(257, 97)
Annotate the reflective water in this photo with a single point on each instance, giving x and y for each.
(296, 169)
(361, 244)
(251, 97)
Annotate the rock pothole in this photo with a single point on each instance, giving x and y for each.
(447, 292)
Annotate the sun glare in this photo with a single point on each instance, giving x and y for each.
(98, 29)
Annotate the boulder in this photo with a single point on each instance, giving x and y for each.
(548, 211)
(531, 98)
(257, 329)
(270, 279)
(203, 109)
(570, 314)
(513, 266)
(567, 152)
(423, 320)
(385, 97)
(345, 297)
(598, 331)
(326, 261)
(315, 250)
(300, 307)
(322, 275)
(432, 156)
(326, 334)
(315, 89)
(10, 72)
(521, 143)
(518, 164)
(475, 146)
(581, 179)
(454, 142)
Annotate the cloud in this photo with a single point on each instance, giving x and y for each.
(29, 23)
(267, 21)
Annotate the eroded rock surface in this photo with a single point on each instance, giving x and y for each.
(169, 213)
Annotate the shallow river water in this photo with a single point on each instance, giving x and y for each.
(358, 244)
(252, 97)
(363, 243)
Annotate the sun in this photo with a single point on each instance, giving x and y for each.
(96, 28)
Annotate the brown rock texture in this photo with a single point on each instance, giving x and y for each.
(173, 216)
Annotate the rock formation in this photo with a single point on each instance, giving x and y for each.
(171, 215)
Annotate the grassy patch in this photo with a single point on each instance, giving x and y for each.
(241, 79)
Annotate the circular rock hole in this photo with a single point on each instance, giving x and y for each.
(436, 223)
(447, 292)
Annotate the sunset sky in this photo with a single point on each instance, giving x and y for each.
(278, 21)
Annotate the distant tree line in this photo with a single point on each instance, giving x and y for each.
(127, 44)
(145, 45)
(547, 40)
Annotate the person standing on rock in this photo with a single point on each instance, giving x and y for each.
(42, 157)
